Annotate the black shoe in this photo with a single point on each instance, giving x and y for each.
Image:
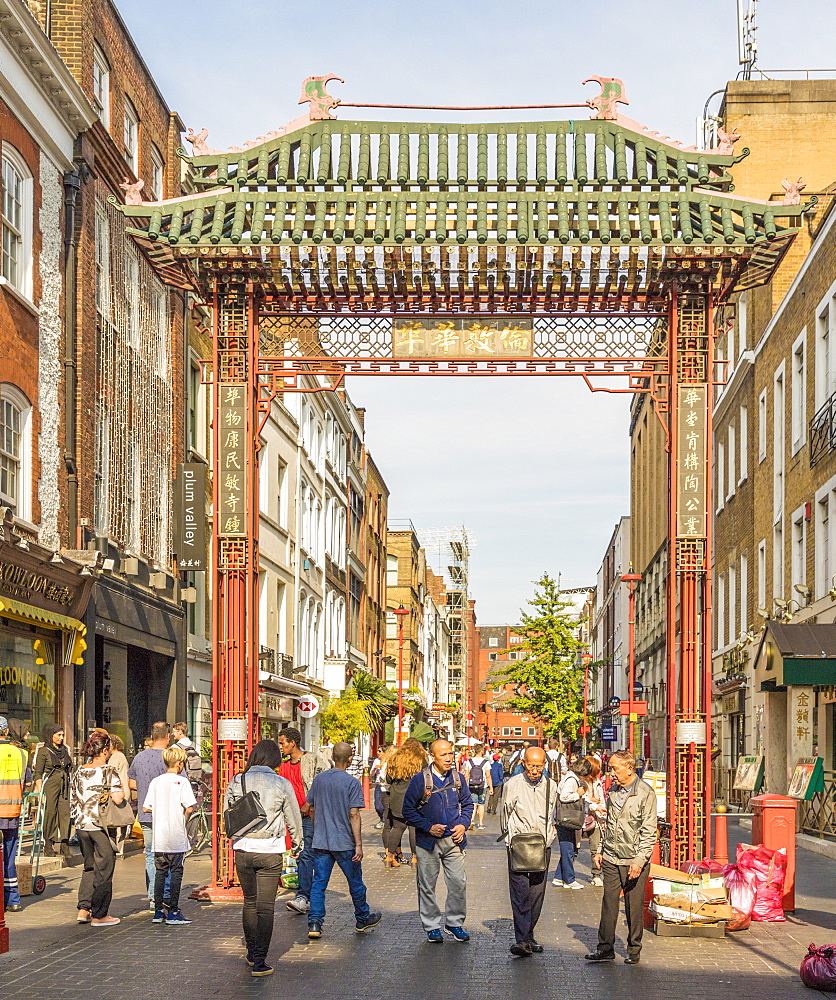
(522, 949)
(600, 956)
(536, 948)
(631, 960)
(14, 908)
(372, 920)
(315, 929)
(261, 969)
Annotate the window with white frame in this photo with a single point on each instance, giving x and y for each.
(391, 571)
(743, 586)
(762, 429)
(159, 310)
(101, 470)
(15, 451)
(740, 321)
(130, 136)
(493, 641)
(721, 610)
(101, 85)
(732, 451)
(492, 657)
(778, 559)
(762, 574)
(824, 538)
(102, 254)
(778, 445)
(532, 731)
(798, 393)
(17, 208)
(515, 638)
(744, 443)
(720, 466)
(157, 173)
(825, 349)
(732, 603)
(798, 565)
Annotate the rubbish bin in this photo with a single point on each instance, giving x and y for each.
(773, 825)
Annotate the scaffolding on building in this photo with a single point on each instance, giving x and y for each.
(448, 555)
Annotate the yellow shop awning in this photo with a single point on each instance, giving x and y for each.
(49, 619)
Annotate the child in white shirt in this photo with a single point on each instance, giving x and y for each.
(171, 801)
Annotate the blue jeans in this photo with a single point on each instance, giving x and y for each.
(565, 870)
(305, 862)
(10, 890)
(150, 863)
(323, 865)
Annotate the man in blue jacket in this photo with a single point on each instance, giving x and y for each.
(441, 816)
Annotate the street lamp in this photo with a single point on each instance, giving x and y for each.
(400, 612)
(632, 580)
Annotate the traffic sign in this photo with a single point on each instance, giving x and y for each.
(308, 706)
(638, 688)
(609, 734)
(615, 701)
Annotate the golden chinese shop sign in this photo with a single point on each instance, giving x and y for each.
(435, 337)
(691, 513)
(232, 459)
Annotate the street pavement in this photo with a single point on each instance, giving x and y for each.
(53, 958)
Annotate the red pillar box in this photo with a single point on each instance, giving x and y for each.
(773, 825)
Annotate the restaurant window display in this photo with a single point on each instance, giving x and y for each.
(27, 678)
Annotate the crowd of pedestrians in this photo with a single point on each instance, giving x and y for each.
(288, 801)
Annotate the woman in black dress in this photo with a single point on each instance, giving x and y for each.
(51, 772)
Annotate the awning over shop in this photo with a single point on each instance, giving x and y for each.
(797, 654)
(48, 619)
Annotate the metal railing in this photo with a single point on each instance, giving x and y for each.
(823, 431)
(818, 816)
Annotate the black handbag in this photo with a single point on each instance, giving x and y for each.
(245, 814)
(528, 852)
(571, 815)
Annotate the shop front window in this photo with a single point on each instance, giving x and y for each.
(27, 687)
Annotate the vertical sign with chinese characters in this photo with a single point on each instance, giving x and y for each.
(691, 516)
(232, 459)
(802, 706)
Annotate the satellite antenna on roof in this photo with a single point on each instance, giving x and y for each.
(747, 36)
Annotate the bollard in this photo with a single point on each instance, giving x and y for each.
(365, 783)
(721, 835)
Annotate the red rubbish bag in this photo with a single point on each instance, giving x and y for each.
(769, 869)
(740, 884)
(818, 968)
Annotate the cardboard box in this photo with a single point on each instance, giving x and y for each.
(664, 929)
(662, 886)
(660, 871)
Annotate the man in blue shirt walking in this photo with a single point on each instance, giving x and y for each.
(441, 819)
(336, 799)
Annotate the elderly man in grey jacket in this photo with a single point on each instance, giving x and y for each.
(626, 846)
(528, 805)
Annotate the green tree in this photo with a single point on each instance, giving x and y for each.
(377, 700)
(547, 676)
(344, 718)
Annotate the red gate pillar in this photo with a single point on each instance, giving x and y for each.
(689, 571)
(234, 553)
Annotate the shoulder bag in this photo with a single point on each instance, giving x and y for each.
(111, 815)
(245, 814)
(528, 852)
(571, 815)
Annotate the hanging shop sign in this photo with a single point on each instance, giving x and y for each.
(691, 515)
(437, 337)
(16, 581)
(190, 516)
(232, 485)
(308, 706)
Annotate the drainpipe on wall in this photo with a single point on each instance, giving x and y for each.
(72, 185)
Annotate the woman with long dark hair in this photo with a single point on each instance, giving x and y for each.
(401, 767)
(51, 771)
(258, 854)
(572, 788)
(88, 784)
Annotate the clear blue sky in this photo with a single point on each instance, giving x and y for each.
(537, 468)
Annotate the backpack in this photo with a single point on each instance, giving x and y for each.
(506, 763)
(429, 787)
(194, 764)
(556, 767)
(476, 776)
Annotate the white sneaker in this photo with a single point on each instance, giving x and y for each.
(573, 885)
(298, 905)
(598, 881)
(557, 882)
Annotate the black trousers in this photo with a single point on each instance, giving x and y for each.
(393, 832)
(615, 881)
(259, 876)
(56, 828)
(95, 890)
(528, 889)
(165, 864)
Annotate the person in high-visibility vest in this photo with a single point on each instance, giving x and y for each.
(14, 763)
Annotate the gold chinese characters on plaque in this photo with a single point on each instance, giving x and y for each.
(691, 512)
(232, 459)
(436, 337)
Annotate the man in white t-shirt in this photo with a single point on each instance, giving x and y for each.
(558, 766)
(170, 800)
